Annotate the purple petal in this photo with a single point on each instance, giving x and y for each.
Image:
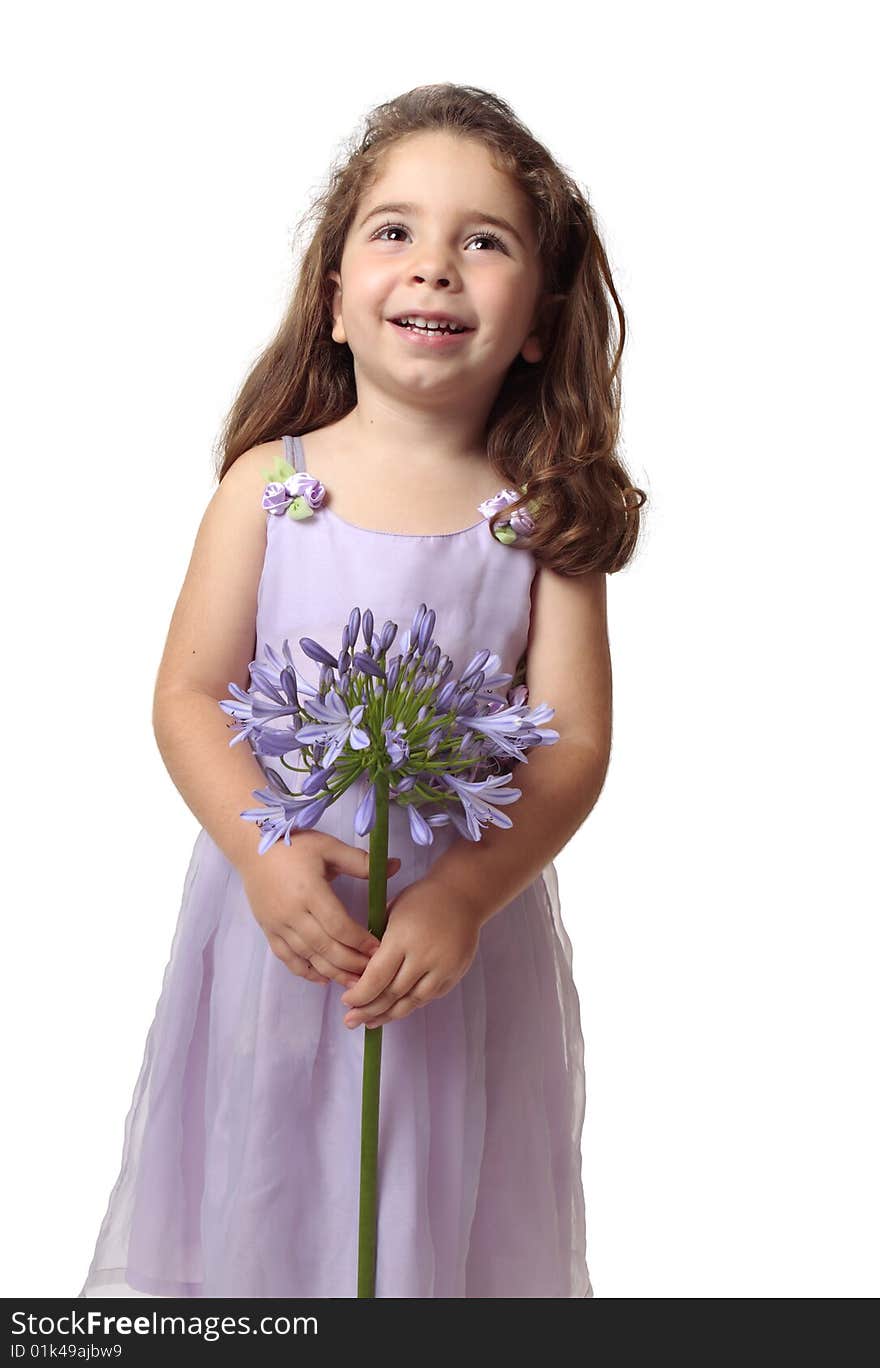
(315, 651)
(365, 817)
(418, 827)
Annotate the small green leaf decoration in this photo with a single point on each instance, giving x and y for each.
(505, 533)
(282, 471)
(299, 508)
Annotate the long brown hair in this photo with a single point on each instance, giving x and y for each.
(555, 423)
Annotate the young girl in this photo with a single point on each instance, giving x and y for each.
(411, 445)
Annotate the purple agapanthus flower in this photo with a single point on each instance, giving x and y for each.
(439, 741)
(479, 811)
(279, 680)
(284, 811)
(396, 744)
(338, 726)
(514, 728)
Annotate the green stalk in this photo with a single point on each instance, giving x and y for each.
(378, 896)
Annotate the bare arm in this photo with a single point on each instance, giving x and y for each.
(211, 641)
(569, 667)
(216, 783)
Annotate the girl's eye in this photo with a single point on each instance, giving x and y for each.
(486, 234)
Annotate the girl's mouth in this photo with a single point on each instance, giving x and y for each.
(436, 338)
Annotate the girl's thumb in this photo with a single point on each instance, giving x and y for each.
(357, 862)
(392, 867)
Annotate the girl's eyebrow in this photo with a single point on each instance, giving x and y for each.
(474, 214)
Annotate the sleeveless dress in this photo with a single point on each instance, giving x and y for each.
(241, 1156)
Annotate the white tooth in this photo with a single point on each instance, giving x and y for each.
(431, 324)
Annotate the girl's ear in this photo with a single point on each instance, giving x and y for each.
(334, 291)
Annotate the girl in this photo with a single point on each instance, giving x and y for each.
(410, 445)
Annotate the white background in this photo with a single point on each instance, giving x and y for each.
(721, 897)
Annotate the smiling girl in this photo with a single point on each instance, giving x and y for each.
(442, 398)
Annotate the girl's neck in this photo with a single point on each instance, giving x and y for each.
(385, 444)
(399, 496)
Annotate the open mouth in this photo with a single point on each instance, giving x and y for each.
(442, 330)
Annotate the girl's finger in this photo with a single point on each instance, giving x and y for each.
(380, 984)
(297, 964)
(358, 999)
(402, 1008)
(392, 1015)
(405, 1004)
(341, 957)
(326, 971)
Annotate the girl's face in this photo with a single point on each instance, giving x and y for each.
(418, 241)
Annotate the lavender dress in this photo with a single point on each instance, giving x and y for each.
(240, 1166)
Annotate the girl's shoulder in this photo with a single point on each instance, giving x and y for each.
(252, 467)
(247, 470)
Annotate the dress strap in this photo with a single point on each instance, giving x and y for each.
(293, 451)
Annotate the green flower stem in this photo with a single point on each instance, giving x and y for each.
(378, 915)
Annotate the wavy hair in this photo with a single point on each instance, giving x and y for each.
(554, 425)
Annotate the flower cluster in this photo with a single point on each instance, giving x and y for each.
(440, 742)
(520, 522)
(290, 491)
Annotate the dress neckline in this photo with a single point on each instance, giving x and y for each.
(299, 465)
(408, 536)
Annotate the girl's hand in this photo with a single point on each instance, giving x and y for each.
(429, 943)
(301, 917)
